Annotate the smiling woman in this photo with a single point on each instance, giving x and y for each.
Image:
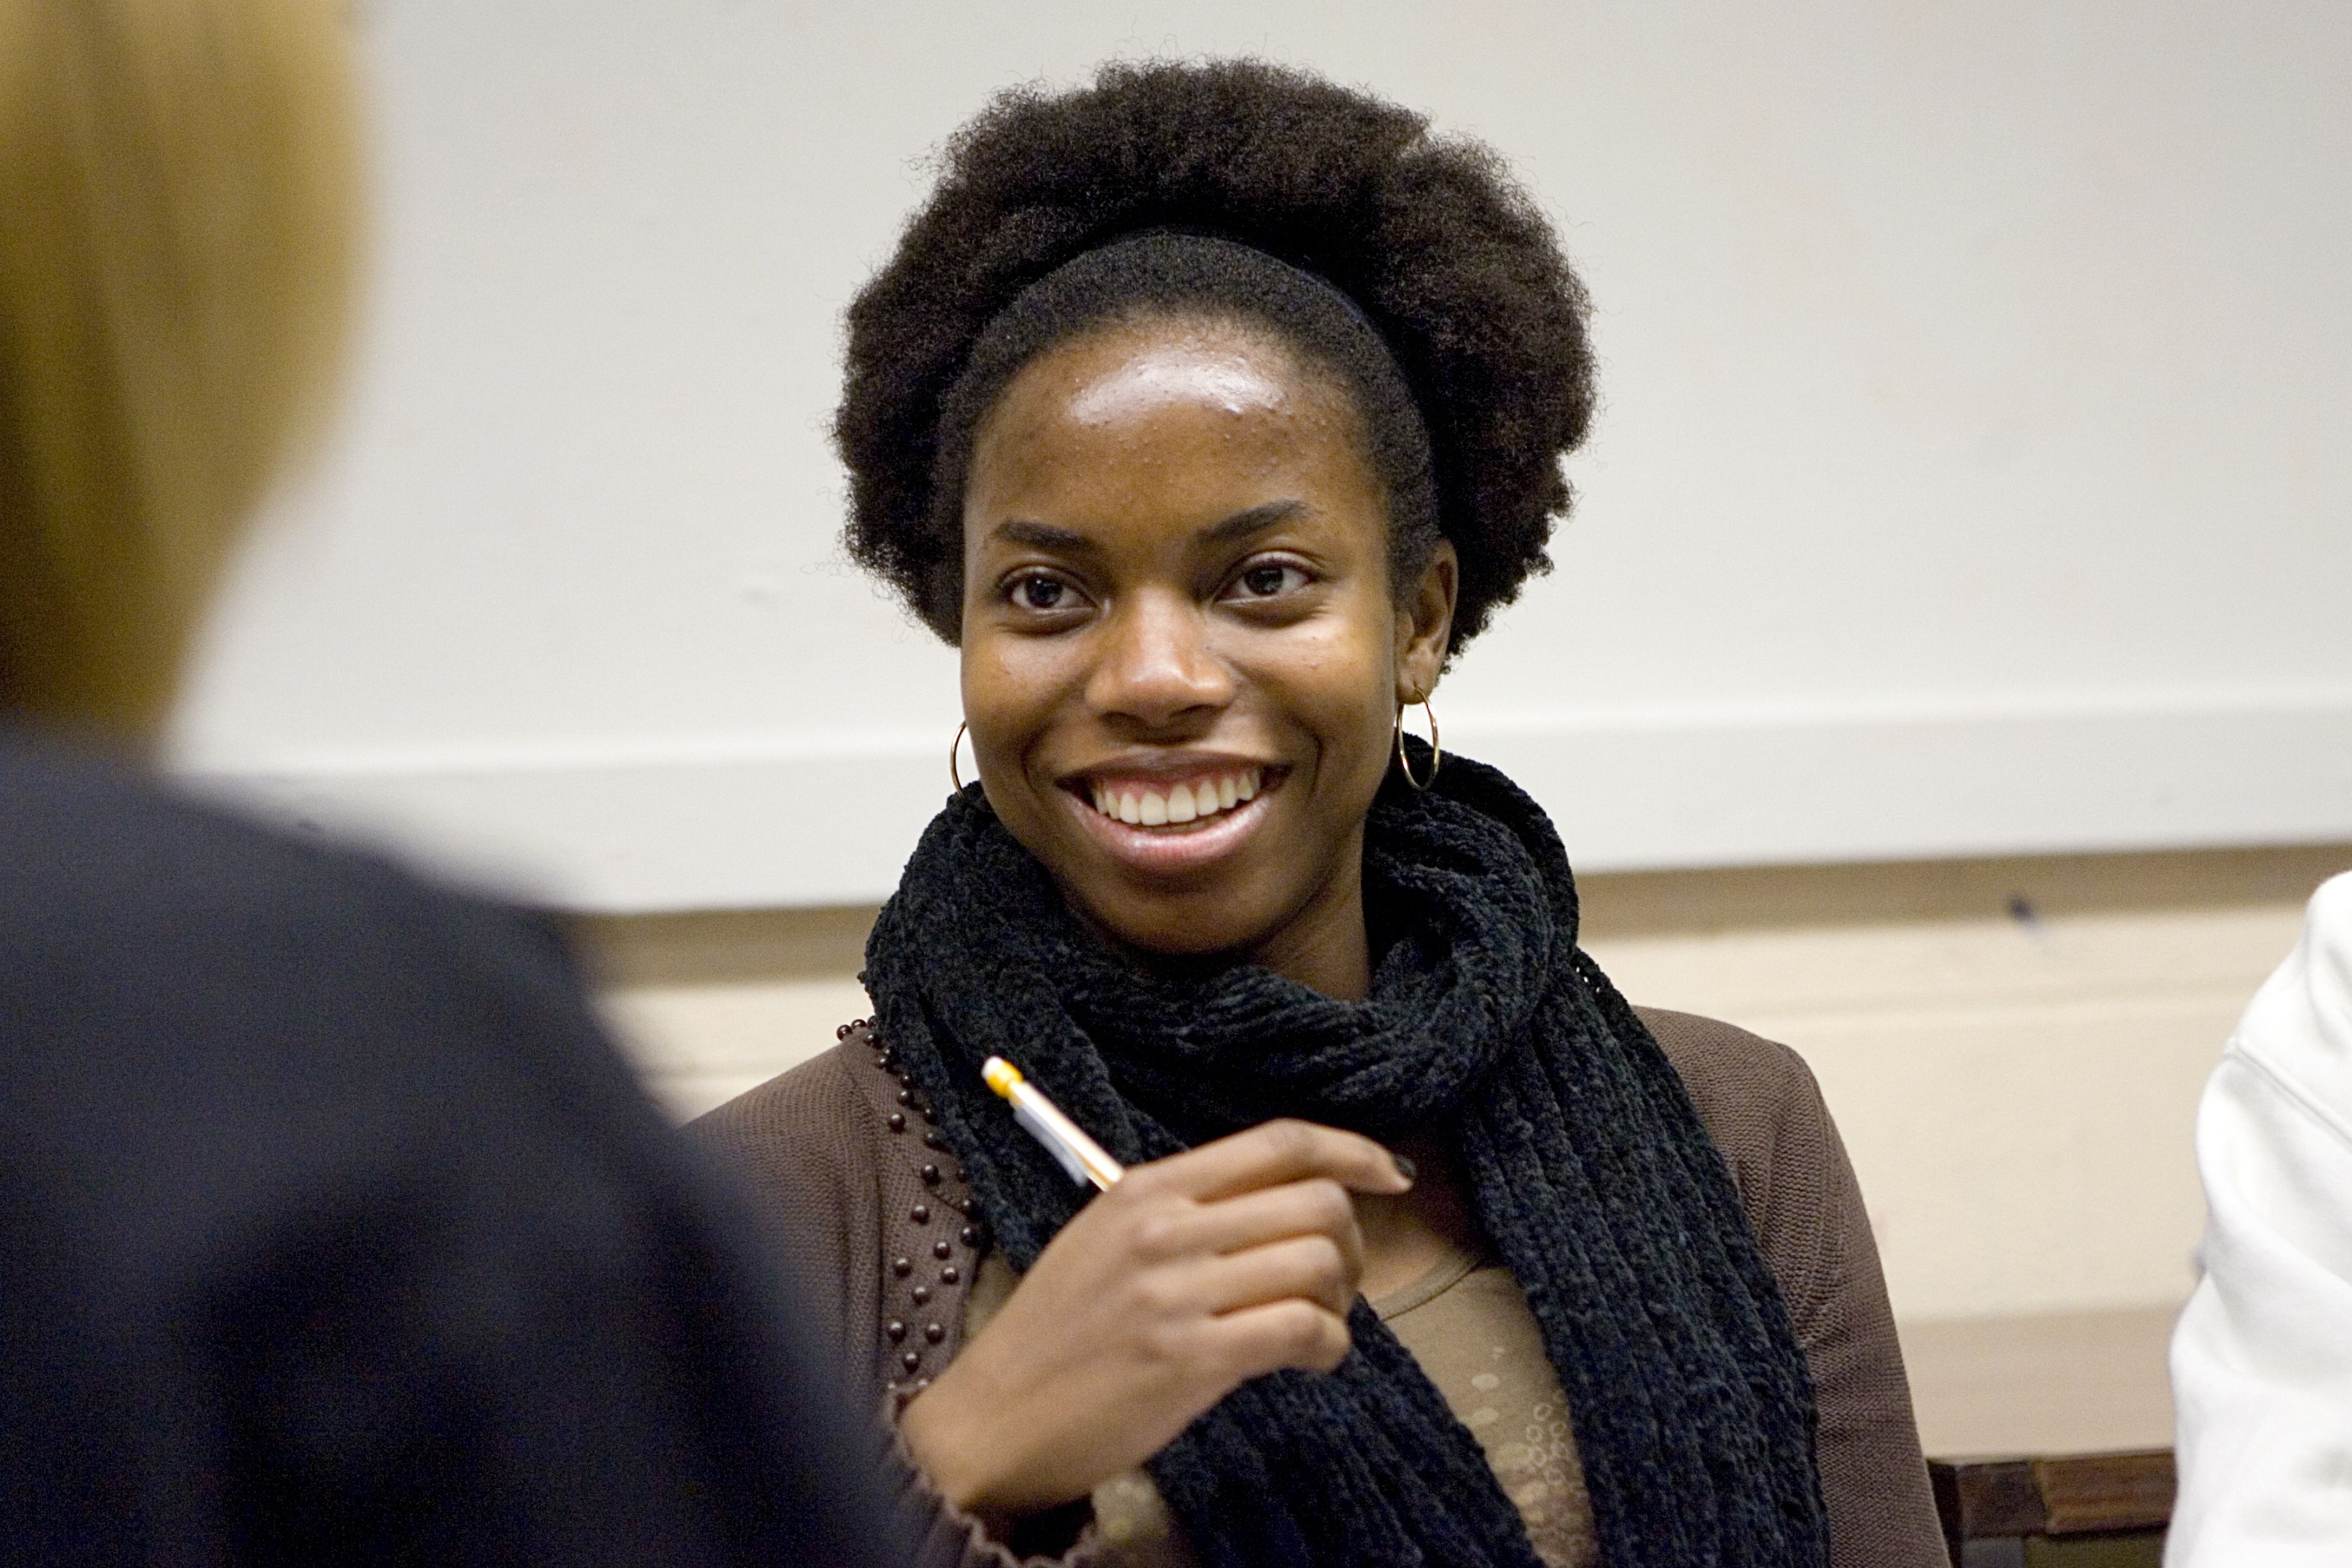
(1209, 411)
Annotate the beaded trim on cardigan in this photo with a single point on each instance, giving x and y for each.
(937, 1239)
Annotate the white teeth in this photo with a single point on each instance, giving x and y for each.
(1183, 803)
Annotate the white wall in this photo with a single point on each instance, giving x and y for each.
(1972, 477)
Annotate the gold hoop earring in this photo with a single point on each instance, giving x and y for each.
(955, 745)
(1437, 753)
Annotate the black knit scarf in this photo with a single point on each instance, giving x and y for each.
(1592, 1177)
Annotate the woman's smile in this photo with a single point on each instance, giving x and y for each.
(1178, 818)
(1160, 802)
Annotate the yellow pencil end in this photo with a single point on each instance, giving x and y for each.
(1000, 1074)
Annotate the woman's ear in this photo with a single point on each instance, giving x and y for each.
(1425, 623)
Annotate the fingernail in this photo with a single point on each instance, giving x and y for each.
(1405, 1167)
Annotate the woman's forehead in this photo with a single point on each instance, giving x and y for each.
(1163, 373)
(1159, 396)
(1114, 364)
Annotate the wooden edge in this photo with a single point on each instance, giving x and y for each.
(2106, 1491)
(2071, 1494)
(1980, 1497)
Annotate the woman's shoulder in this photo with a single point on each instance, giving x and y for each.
(147, 936)
(814, 1115)
(805, 1147)
(1765, 1114)
(100, 863)
(1743, 1084)
(846, 1174)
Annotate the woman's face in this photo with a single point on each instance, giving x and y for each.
(1182, 657)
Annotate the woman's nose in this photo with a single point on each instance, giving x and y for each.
(1157, 667)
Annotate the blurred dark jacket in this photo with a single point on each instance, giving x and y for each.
(333, 1230)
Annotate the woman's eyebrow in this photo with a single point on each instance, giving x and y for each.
(1040, 536)
(1034, 535)
(1256, 520)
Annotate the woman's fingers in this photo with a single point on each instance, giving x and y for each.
(1274, 1152)
(1293, 1333)
(1319, 1206)
(1311, 1267)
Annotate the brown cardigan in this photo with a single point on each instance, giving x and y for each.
(866, 1198)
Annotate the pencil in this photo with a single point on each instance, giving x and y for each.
(1076, 1152)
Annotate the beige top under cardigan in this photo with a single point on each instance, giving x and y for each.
(1468, 1325)
(868, 1199)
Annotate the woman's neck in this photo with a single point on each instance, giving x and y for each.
(1325, 946)
(1407, 1236)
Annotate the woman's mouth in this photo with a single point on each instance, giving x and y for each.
(1181, 826)
(1159, 803)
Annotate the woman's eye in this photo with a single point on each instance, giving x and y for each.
(1041, 594)
(1265, 582)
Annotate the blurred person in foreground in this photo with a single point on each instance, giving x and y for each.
(2262, 1361)
(330, 1227)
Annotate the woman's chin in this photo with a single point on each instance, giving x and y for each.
(1186, 929)
(1175, 895)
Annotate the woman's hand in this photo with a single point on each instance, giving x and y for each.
(1192, 1275)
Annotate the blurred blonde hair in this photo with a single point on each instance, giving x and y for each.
(178, 223)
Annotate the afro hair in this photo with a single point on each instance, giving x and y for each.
(1445, 256)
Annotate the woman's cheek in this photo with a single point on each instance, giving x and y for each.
(1340, 695)
(1019, 702)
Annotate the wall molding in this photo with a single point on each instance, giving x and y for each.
(796, 825)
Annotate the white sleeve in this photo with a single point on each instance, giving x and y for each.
(2262, 1361)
